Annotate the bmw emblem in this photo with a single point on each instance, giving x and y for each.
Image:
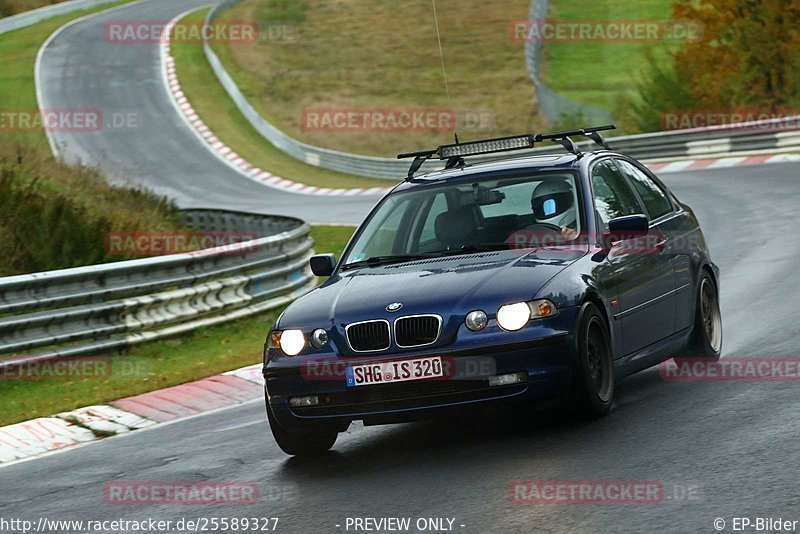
(394, 306)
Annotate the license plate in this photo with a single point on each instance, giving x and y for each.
(386, 372)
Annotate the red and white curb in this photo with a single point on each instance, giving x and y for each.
(36, 437)
(225, 153)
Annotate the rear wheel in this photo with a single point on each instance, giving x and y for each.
(706, 339)
(302, 442)
(593, 382)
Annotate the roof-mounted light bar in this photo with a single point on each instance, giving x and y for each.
(475, 148)
(486, 147)
(454, 153)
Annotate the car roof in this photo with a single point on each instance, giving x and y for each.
(545, 161)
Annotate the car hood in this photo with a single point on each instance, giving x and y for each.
(445, 286)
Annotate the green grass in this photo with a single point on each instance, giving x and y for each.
(158, 364)
(220, 114)
(368, 54)
(600, 74)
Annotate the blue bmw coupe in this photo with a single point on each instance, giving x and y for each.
(508, 280)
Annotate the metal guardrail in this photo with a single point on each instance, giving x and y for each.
(99, 308)
(29, 18)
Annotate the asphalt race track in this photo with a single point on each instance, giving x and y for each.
(155, 149)
(721, 449)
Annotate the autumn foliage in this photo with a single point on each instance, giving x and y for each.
(748, 56)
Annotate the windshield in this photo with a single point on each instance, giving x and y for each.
(482, 214)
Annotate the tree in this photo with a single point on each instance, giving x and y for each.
(748, 53)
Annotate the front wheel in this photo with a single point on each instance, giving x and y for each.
(706, 338)
(593, 382)
(305, 442)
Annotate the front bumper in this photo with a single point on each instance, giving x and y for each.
(545, 355)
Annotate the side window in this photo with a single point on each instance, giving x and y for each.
(612, 196)
(654, 198)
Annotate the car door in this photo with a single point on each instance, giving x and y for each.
(670, 221)
(641, 274)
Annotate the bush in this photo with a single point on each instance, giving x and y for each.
(55, 217)
(663, 88)
(12, 7)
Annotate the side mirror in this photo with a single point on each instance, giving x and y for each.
(626, 228)
(323, 264)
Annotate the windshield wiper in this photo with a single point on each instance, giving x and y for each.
(472, 249)
(375, 261)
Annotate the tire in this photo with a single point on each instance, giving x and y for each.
(706, 338)
(306, 442)
(592, 391)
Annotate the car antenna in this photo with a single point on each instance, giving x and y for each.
(422, 157)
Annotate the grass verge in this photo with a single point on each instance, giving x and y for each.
(54, 216)
(158, 364)
(15, 7)
(601, 74)
(376, 54)
(221, 115)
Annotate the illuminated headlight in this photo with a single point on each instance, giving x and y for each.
(512, 317)
(319, 338)
(476, 320)
(291, 342)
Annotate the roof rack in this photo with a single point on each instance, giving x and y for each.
(455, 153)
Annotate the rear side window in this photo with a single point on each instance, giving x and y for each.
(612, 196)
(654, 198)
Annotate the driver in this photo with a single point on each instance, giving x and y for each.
(553, 202)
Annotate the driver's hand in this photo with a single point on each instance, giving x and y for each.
(569, 234)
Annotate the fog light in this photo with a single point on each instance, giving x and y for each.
(295, 402)
(506, 380)
(476, 320)
(319, 338)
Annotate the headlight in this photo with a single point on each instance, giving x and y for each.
(291, 342)
(512, 317)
